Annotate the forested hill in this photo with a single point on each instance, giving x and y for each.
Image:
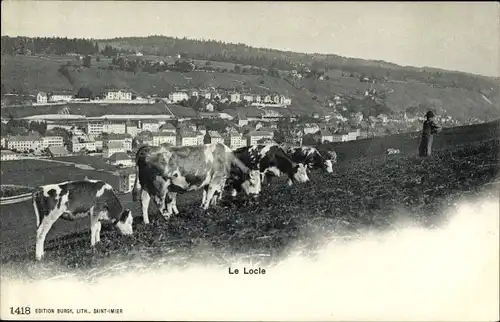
(287, 60)
(261, 57)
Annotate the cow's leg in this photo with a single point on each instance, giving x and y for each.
(173, 197)
(95, 227)
(170, 204)
(210, 194)
(145, 198)
(204, 197)
(43, 229)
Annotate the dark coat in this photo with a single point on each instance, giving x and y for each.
(429, 129)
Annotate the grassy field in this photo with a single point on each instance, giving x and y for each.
(41, 73)
(362, 193)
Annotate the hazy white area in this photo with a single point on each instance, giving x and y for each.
(449, 273)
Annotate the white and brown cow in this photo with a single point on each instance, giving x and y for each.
(77, 199)
(311, 157)
(270, 160)
(162, 172)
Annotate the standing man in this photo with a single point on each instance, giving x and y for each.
(429, 129)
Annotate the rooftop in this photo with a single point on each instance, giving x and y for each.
(115, 145)
(119, 156)
(59, 150)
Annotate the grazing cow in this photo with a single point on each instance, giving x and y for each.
(310, 157)
(393, 151)
(162, 172)
(77, 199)
(270, 160)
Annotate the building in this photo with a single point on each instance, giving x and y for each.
(24, 143)
(187, 138)
(77, 145)
(194, 93)
(324, 136)
(200, 136)
(215, 137)
(95, 127)
(60, 97)
(159, 138)
(121, 159)
(124, 139)
(234, 139)
(248, 98)
(118, 95)
(285, 101)
(7, 155)
(202, 129)
(209, 107)
(353, 135)
(242, 121)
(268, 99)
(206, 95)
(235, 97)
(53, 140)
(176, 97)
(131, 128)
(255, 136)
(152, 126)
(57, 151)
(41, 97)
(340, 137)
(167, 127)
(126, 179)
(114, 127)
(257, 99)
(111, 149)
(3, 142)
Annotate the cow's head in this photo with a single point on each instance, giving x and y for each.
(124, 225)
(252, 183)
(300, 173)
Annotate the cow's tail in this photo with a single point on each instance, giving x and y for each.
(137, 187)
(34, 197)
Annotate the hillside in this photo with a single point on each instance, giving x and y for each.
(457, 94)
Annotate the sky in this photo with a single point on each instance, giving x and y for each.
(462, 36)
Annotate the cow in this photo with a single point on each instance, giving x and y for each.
(162, 172)
(270, 160)
(391, 151)
(72, 200)
(310, 157)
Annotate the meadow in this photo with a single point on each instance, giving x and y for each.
(363, 194)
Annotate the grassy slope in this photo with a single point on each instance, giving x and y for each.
(41, 74)
(368, 193)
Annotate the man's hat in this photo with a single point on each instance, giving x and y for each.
(429, 114)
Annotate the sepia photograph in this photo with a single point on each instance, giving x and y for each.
(250, 161)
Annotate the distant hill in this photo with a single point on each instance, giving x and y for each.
(457, 94)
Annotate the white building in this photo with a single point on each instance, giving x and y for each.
(60, 97)
(234, 140)
(187, 138)
(131, 129)
(118, 95)
(200, 137)
(41, 97)
(126, 179)
(176, 97)
(152, 126)
(235, 97)
(114, 127)
(24, 143)
(7, 155)
(95, 127)
(121, 158)
(209, 107)
(76, 145)
(257, 99)
(255, 136)
(111, 149)
(167, 127)
(52, 141)
(248, 98)
(163, 137)
(215, 137)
